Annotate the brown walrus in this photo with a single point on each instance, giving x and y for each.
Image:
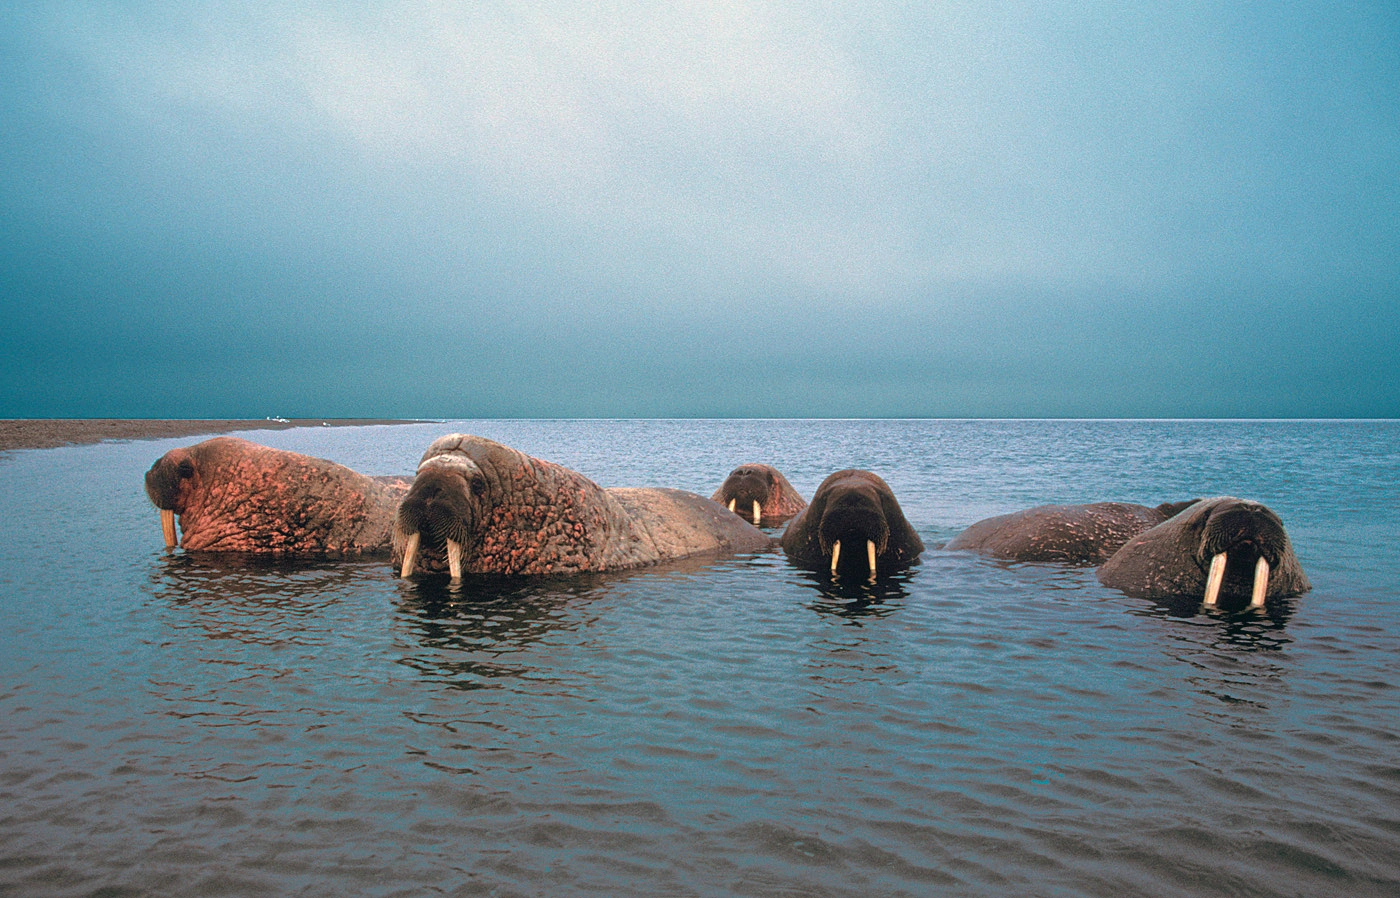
(1075, 534)
(855, 511)
(235, 496)
(477, 507)
(760, 494)
(1217, 547)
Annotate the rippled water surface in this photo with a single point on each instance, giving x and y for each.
(171, 725)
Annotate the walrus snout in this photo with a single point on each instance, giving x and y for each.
(854, 519)
(438, 518)
(163, 485)
(1246, 527)
(1242, 542)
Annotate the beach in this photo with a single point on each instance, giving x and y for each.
(46, 433)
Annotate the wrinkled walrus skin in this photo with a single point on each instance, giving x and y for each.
(759, 494)
(508, 513)
(1071, 534)
(1174, 558)
(857, 510)
(235, 496)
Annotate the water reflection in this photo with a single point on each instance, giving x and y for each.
(467, 632)
(253, 599)
(855, 598)
(1236, 624)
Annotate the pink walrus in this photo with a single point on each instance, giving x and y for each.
(235, 496)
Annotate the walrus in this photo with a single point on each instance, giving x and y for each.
(235, 496)
(478, 507)
(1075, 534)
(1216, 547)
(759, 493)
(857, 511)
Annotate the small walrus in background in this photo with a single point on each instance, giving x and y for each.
(760, 494)
(1221, 547)
(854, 511)
(1073, 534)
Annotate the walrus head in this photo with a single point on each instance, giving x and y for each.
(854, 511)
(1240, 542)
(479, 507)
(167, 485)
(442, 514)
(747, 490)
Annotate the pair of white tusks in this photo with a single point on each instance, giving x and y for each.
(757, 510)
(869, 554)
(167, 526)
(1217, 576)
(410, 556)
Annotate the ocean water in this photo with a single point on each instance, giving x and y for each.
(171, 725)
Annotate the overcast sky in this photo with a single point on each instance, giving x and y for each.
(706, 209)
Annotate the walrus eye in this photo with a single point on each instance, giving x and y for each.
(186, 469)
(478, 486)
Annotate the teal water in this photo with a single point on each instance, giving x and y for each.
(171, 725)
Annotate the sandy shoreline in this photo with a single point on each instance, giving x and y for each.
(46, 433)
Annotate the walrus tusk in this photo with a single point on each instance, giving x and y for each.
(731, 504)
(410, 555)
(167, 526)
(870, 554)
(1217, 576)
(454, 558)
(757, 513)
(1261, 583)
(835, 556)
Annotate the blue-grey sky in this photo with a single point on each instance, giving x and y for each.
(713, 209)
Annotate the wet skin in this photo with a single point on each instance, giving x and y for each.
(1072, 534)
(853, 516)
(478, 507)
(231, 495)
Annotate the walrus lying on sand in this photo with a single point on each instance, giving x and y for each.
(1217, 547)
(235, 496)
(856, 510)
(759, 493)
(1074, 534)
(477, 507)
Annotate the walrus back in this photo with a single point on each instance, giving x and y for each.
(678, 524)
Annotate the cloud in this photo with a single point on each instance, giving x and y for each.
(893, 203)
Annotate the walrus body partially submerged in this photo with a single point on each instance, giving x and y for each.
(853, 523)
(1222, 547)
(235, 496)
(478, 507)
(1072, 534)
(760, 494)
